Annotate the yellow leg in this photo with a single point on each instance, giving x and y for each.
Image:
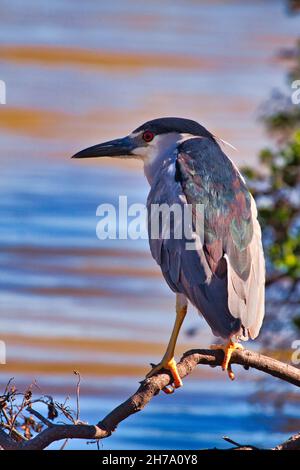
(168, 362)
(228, 349)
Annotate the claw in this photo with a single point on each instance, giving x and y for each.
(230, 373)
(168, 390)
(172, 367)
(228, 349)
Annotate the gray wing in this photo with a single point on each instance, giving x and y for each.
(224, 279)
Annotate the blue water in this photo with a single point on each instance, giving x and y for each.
(57, 279)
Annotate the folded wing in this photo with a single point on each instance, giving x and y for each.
(224, 278)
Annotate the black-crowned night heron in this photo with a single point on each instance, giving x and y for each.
(224, 277)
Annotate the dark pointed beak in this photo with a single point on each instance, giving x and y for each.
(113, 148)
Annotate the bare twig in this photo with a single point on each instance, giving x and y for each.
(77, 395)
(238, 446)
(39, 416)
(64, 444)
(12, 431)
(151, 387)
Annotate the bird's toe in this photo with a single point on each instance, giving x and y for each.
(171, 366)
(228, 349)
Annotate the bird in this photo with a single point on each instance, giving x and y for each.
(224, 276)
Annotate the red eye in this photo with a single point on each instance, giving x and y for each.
(148, 136)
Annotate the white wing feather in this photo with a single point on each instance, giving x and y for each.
(246, 299)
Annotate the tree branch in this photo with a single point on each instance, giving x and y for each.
(38, 415)
(151, 387)
(293, 443)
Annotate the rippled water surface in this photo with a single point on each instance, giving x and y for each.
(77, 73)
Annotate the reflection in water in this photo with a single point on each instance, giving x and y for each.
(68, 300)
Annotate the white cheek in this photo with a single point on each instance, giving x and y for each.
(147, 153)
(161, 145)
(140, 152)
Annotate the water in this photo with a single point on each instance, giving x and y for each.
(76, 74)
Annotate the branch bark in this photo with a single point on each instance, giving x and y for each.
(151, 387)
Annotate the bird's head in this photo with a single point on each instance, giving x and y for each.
(148, 140)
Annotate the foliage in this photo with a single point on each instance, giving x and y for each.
(278, 197)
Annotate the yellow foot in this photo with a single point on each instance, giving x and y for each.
(172, 367)
(228, 349)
